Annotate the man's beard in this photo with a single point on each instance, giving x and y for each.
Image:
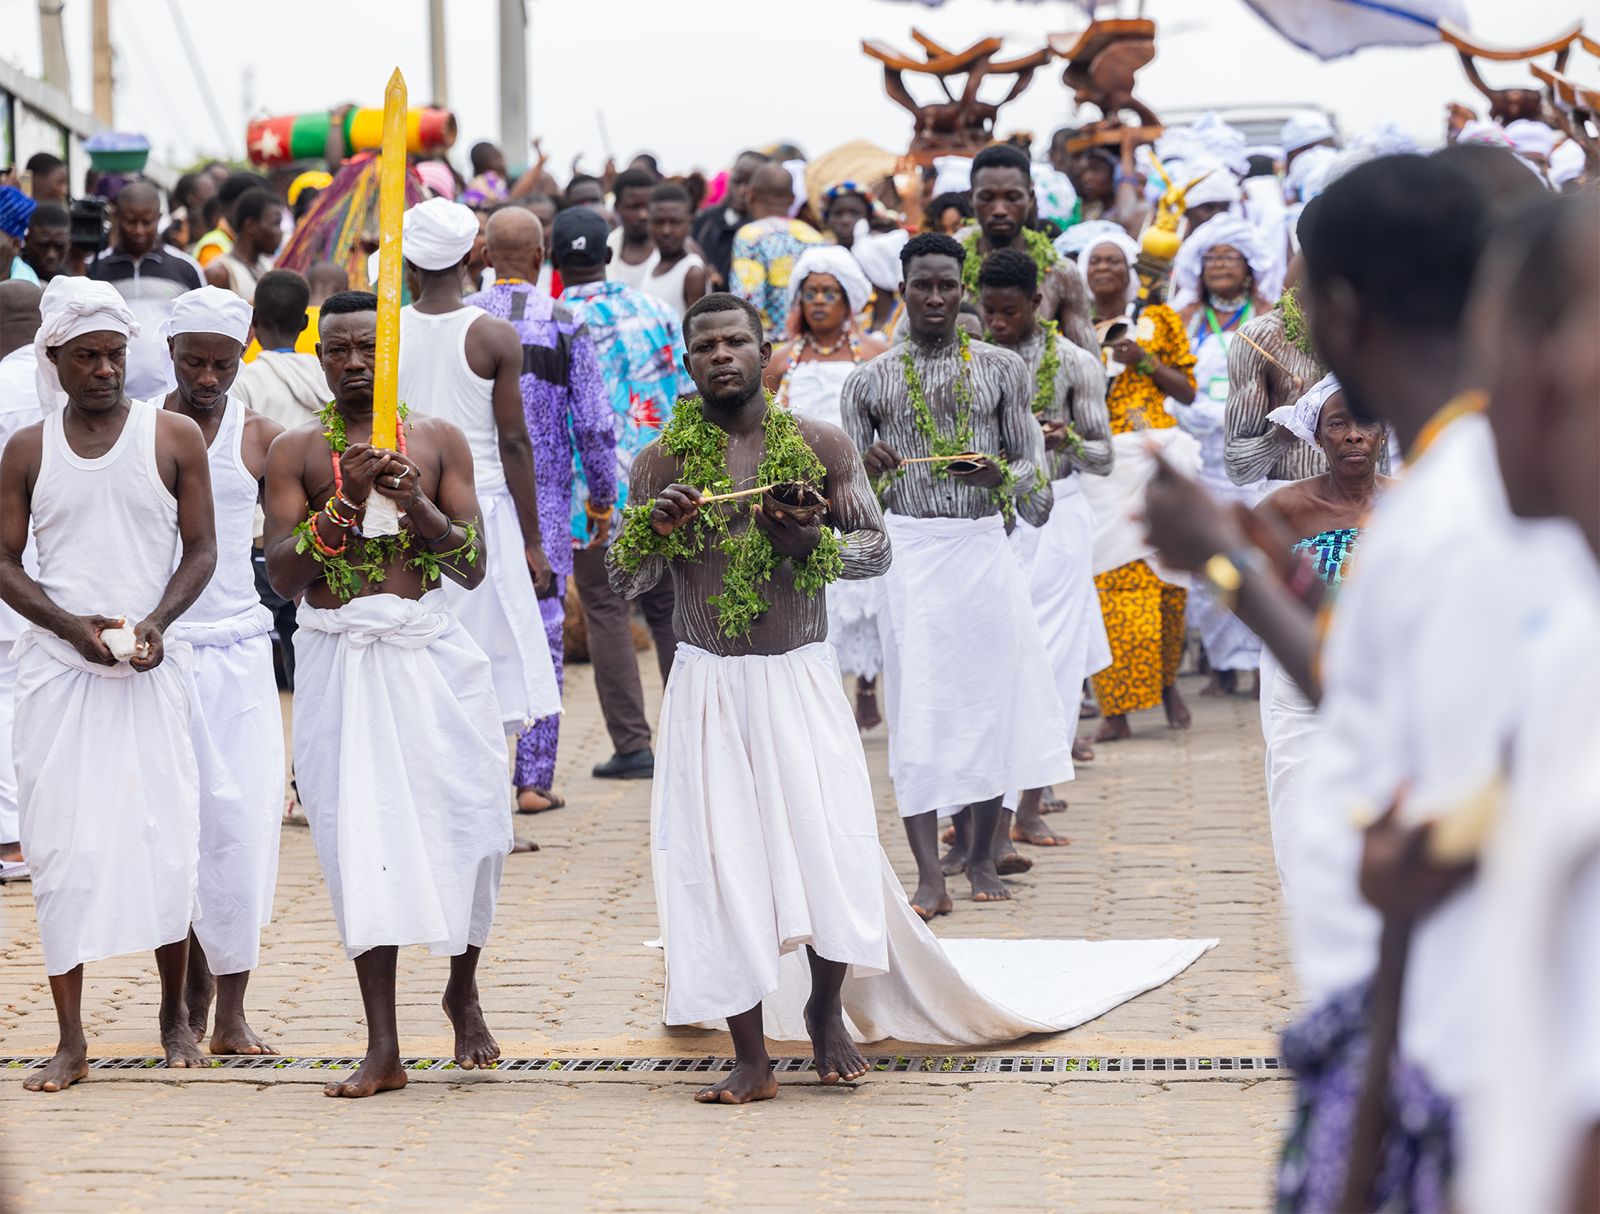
(730, 397)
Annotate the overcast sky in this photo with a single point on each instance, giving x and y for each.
(695, 80)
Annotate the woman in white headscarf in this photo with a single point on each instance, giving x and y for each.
(827, 290)
(1220, 268)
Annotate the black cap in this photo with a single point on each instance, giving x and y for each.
(579, 235)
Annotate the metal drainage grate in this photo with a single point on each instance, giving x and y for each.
(920, 1064)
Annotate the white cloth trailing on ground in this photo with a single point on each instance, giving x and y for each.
(110, 800)
(400, 762)
(971, 697)
(1056, 562)
(1292, 729)
(502, 616)
(764, 839)
(237, 728)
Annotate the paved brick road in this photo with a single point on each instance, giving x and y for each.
(1170, 839)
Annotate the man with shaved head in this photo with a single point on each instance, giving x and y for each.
(565, 406)
(148, 275)
(765, 249)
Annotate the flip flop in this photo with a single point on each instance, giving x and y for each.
(14, 870)
(555, 802)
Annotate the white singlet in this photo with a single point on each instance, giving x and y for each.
(668, 287)
(437, 379)
(106, 529)
(231, 592)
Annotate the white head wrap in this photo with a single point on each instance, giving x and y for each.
(1053, 195)
(1081, 240)
(1227, 230)
(1491, 134)
(1307, 168)
(1303, 129)
(797, 175)
(1271, 151)
(1532, 138)
(1566, 163)
(952, 175)
(1300, 418)
(71, 307)
(831, 259)
(210, 310)
(437, 234)
(878, 255)
(1218, 185)
(1221, 142)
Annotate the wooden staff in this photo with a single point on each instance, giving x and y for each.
(1299, 383)
(941, 459)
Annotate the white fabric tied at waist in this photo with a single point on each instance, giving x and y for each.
(174, 649)
(386, 618)
(914, 529)
(254, 621)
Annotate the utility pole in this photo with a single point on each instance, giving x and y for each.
(436, 42)
(102, 61)
(514, 81)
(53, 39)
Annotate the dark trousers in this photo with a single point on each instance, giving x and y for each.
(283, 621)
(616, 665)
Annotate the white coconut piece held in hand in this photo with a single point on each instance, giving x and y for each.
(120, 641)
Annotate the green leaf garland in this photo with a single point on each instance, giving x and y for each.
(365, 561)
(1295, 326)
(1039, 248)
(702, 446)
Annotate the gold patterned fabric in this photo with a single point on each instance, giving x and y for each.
(1133, 400)
(1145, 624)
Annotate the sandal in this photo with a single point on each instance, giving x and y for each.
(551, 801)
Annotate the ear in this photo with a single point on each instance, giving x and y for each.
(1038, 296)
(172, 348)
(766, 353)
(608, 256)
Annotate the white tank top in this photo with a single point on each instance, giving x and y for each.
(437, 380)
(815, 390)
(106, 529)
(668, 287)
(231, 592)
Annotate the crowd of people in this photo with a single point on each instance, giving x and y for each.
(957, 439)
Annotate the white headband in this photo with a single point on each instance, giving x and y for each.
(1300, 419)
(437, 234)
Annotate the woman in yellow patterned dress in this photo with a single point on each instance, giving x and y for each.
(1148, 359)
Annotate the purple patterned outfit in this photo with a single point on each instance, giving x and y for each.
(565, 403)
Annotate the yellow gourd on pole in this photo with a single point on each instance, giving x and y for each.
(391, 216)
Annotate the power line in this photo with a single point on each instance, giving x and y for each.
(199, 71)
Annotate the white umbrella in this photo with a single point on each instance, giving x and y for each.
(1330, 29)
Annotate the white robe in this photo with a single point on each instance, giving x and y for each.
(502, 615)
(1117, 500)
(971, 696)
(1292, 731)
(1056, 562)
(764, 840)
(109, 798)
(238, 745)
(400, 762)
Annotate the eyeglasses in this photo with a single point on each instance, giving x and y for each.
(822, 295)
(1221, 259)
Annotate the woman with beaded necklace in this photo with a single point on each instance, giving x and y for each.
(806, 375)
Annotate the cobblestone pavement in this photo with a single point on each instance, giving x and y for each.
(1169, 839)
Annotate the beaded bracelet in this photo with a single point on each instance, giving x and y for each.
(317, 541)
(335, 517)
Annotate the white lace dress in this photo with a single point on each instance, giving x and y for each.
(814, 390)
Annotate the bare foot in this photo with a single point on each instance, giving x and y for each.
(834, 1053)
(374, 1075)
(930, 901)
(954, 861)
(1113, 729)
(1009, 862)
(986, 884)
(524, 847)
(1082, 752)
(1050, 803)
(538, 801)
(1221, 683)
(62, 1071)
(237, 1037)
(475, 1047)
(1036, 833)
(182, 1050)
(1088, 710)
(743, 1086)
(867, 714)
(1177, 711)
(948, 835)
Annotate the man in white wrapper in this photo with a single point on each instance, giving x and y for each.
(19, 406)
(1069, 401)
(462, 365)
(399, 750)
(238, 724)
(119, 501)
(972, 704)
(763, 831)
